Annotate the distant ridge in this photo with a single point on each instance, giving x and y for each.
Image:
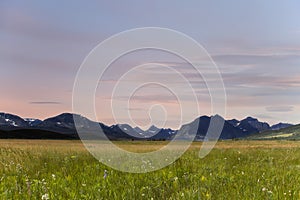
(62, 127)
(280, 126)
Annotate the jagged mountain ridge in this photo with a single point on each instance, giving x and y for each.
(231, 128)
(64, 124)
(9, 121)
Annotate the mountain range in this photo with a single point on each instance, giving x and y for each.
(63, 127)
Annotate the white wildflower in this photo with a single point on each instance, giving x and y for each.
(105, 174)
(45, 197)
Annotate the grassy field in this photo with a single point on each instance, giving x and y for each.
(233, 170)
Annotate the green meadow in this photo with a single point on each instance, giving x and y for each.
(50, 169)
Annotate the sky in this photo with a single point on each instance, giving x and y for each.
(255, 44)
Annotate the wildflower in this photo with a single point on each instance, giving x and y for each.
(84, 185)
(264, 189)
(207, 195)
(44, 182)
(45, 197)
(105, 174)
(28, 183)
(53, 176)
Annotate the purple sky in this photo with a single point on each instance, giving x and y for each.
(256, 45)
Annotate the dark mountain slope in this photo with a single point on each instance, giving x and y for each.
(289, 133)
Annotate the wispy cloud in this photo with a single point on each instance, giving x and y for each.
(45, 102)
(148, 98)
(280, 108)
(135, 109)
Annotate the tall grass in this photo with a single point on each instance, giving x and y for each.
(58, 170)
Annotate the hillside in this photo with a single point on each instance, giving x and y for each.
(34, 134)
(289, 133)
